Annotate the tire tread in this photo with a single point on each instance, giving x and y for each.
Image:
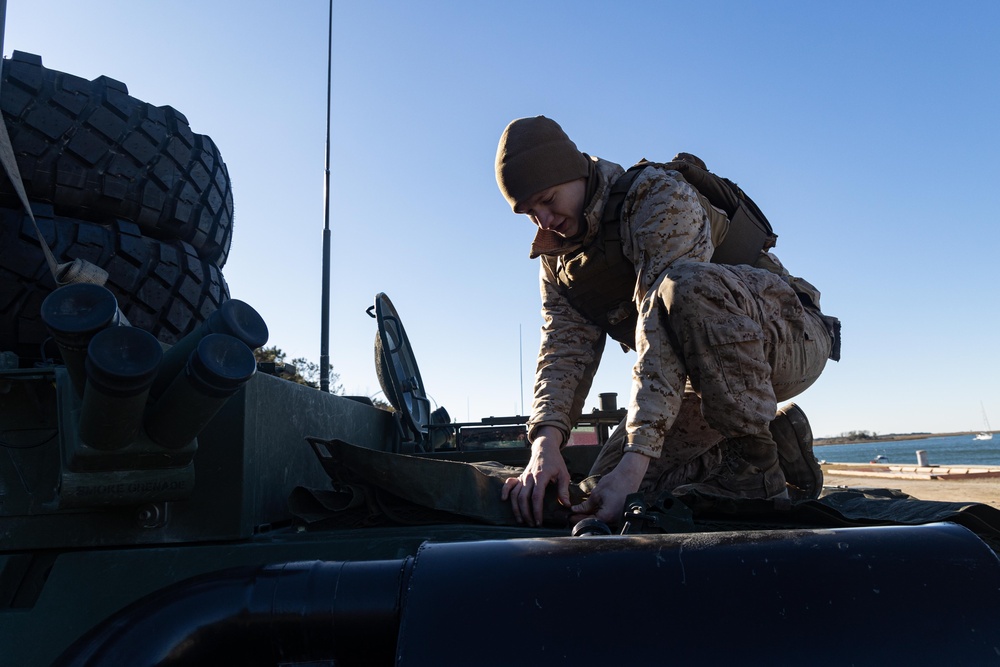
(99, 155)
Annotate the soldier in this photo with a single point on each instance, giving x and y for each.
(718, 345)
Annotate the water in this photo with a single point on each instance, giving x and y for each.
(945, 450)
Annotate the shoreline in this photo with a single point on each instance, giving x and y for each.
(892, 437)
(979, 484)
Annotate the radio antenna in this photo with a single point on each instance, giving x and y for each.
(324, 343)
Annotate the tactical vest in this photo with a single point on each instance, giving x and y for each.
(599, 280)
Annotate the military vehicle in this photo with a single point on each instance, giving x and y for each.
(165, 500)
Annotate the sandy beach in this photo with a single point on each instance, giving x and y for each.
(981, 490)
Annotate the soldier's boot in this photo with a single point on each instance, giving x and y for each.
(793, 435)
(749, 469)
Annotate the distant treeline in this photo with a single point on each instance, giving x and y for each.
(865, 436)
(859, 435)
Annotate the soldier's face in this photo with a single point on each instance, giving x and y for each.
(557, 209)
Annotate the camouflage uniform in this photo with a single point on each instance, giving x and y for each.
(738, 337)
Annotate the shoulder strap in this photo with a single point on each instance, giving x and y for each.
(613, 209)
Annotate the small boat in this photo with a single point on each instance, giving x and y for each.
(988, 433)
(879, 459)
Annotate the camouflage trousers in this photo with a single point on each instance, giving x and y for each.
(739, 340)
(691, 450)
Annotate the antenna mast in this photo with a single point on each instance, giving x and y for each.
(324, 343)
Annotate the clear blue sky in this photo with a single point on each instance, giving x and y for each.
(866, 130)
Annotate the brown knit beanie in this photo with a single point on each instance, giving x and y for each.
(535, 154)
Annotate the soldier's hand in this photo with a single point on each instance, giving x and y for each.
(527, 492)
(607, 500)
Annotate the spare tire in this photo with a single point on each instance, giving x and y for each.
(96, 154)
(161, 286)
